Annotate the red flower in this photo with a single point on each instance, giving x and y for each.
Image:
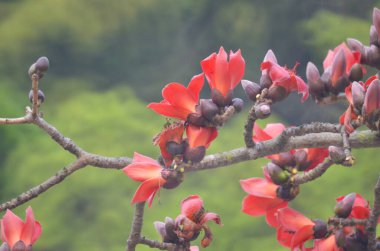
(360, 208)
(223, 75)
(193, 219)
(294, 228)
(315, 156)
(283, 77)
(147, 171)
(13, 229)
(328, 244)
(199, 139)
(179, 101)
(270, 131)
(262, 199)
(170, 142)
(350, 57)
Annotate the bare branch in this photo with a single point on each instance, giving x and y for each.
(313, 174)
(157, 244)
(373, 218)
(35, 95)
(248, 127)
(135, 235)
(347, 222)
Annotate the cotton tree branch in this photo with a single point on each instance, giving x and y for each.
(248, 132)
(135, 234)
(331, 99)
(347, 222)
(373, 218)
(313, 174)
(157, 244)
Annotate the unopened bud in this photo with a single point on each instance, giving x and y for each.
(356, 72)
(170, 227)
(195, 155)
(287, 193)
(174, 148)
(197, 119)
(33, 70)
(301, 160)
(312, 73)
(160, 228)
(262, 111)
(358, 94)
(373, 36)
(355, 45)
(344, 207)
(42, 64)
(269, 56)
(277, 174)
(337, 154)
(19, 246)
(41, 96)
(238, 104)
(265, 81)
(372, 98)
(354, 244)
(373, 56)
(340, 238)
(376, 19)
(277, 93)
(284, 159)
(208, 109)
(221, 100)
(251, 89)
(5, 247)
(320, 229)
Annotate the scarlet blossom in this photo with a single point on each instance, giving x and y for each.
(262, 199)
(223, 75)
(270, 131)
(327, 244)
(14, 230)
(350, 58)
(199, 139)
(315, 156)
(283, 77)
(179, 101)
(170, 142)
(147, 171)
(193, 219)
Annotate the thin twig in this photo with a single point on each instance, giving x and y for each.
(349, 161)
(157, 244)
(331, 99)
(135, 234)
(248, 128)
(373, 218)
(313, 174)
(35, 95)
(219, 120)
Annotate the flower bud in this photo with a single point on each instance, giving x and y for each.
(312, 73)
(320, 229)
(356, 72)
(33, 70)
(41, 96)
(42, 64)
(262, 111)
(251, 89)
(265, 81)
(287, 193)
(277, 174)
(5, 247)
(373, 36)
(358, 94)
(337, 154)
(372, 98)
(301, 160)
(221, 100)
(340, 238)
(170, 228)
(208, 108)
(284, 159)
(160, 228)
(316, 86)
(376, 19)
(197, 119)
(19, 246)
(238, 104)
(277, 93)
(355, 45)
(195, 155)
(373, 56)
(173, 178)
(354, 244)
(174, 148)
(344, 207)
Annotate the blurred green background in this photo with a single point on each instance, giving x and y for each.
(109, 59)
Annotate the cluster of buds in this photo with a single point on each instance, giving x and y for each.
(364, 105)
(370, 54)
(37, 71)
(341, 67)
(189, 224)
(19, 235)
(277, 81)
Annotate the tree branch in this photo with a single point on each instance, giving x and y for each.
(313, 174)
(157, 244)
(135, 234)
(347, 222)
(248, 128)
(373, 218)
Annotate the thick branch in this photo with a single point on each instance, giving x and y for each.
(347, 222)
(135, 235)
(373, 218)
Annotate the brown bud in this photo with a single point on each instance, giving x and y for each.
(251, 89)
(355, 45)
(42, 64)
(208, 108)
(33, 70)
(277, 174)
(356, 72)
(376, 19)
(238, 104)
(265, 81)
(262, 111)
(195, 155)
(221, 100)
(19, 246)
(287, 193)
(173, 178)
(160, 228)
(40, 96)
(312, 73)
(277, 93)
(174, 148)
(320, 229)
(344, 207)
(170, 227)
(284, 159)
(301, 160)
(197, 119)
(373, 36)
(358, 94)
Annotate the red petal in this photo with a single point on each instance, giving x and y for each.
(270, 131)
(348, 92)
(328, 60)
(200, 136)
(194, 248)
(146, 189)
(328, 244)
(168, 110)
(143, 171)
(257, 206)
(302, 235)
(12, 227)
(302, 89)
(316, 156)
(137, 157)
(179, 96)
(222, 77)
(195, 86)
(259, 187)
(28, 229)
(292, 219)
(236, 68)
(284, 237)
(369, 81)
(211, 216)
(191, 206)
(37, 231)
(271, 216)
(208, 67)
(338, 67)
(279, 75)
